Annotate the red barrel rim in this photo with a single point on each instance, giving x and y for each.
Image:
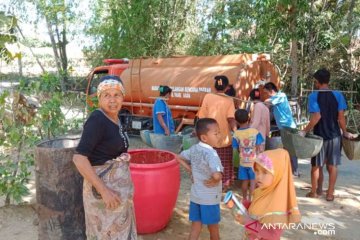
(153, 165)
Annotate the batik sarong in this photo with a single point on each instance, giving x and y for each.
(111, 224)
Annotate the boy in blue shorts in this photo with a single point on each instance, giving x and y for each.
(206, 169)
(247, 142)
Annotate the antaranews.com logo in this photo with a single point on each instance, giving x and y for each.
(323, 229)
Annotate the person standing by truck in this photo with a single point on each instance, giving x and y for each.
(259, 116)
(327, 108)
(222, 109)
(282, 113)
(162, 117)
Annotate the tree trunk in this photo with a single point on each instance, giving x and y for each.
(20, 66)
(350, 17)
(294, 67)
(311, 45)
(54, 47)
(64, 60)
(352, 41)
(61, 39)
(293, 52)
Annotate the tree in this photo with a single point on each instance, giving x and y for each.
(300, 35)
(57, 15)
(123, 29)
(8, 25)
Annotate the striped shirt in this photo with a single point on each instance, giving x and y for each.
(204, 161)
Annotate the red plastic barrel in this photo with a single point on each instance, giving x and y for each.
(156, 177)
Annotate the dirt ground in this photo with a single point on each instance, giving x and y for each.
(19, 222)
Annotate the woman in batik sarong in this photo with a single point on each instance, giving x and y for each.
(101, 158)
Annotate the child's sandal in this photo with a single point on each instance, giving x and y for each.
(311, 195)
(330, 197)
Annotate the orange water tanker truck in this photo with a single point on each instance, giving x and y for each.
(190, 77)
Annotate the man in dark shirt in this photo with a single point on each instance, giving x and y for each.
(327, 117)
